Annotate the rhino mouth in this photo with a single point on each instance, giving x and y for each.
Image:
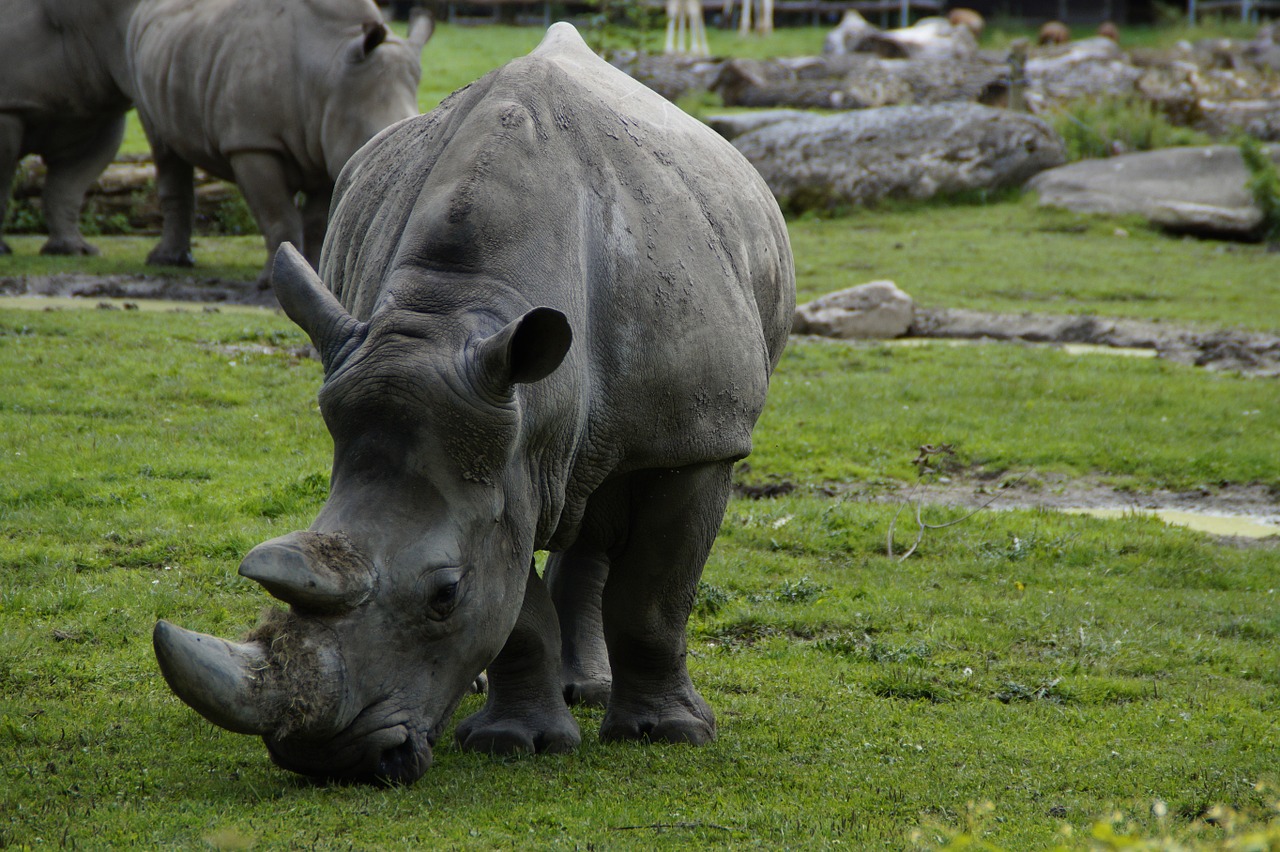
(394, 755)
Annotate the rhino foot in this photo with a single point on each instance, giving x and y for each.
(490, 733)
(687, 720)
(589, 693)
(68, 247)
(160, 256)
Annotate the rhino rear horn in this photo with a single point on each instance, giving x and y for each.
(315, 572)
(307, 302)
(225, 682)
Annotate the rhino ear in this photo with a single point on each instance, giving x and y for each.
(421, 27)
(526, 350)
(375, 33)
(309, 303)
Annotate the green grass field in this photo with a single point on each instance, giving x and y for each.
(1028, 679)
(1026, 674)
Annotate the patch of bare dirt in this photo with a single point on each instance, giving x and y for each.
(1254, 502)
(175, 288)
(1253, 353)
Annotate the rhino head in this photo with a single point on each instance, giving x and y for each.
(412, 576)
(371, 84)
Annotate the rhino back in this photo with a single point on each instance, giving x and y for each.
(557, 180)
(215, 77)
(63, 58)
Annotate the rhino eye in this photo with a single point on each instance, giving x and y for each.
(443, 591)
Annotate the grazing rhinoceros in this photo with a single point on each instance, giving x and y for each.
(64, 92)
(273, 94)
(553, 307)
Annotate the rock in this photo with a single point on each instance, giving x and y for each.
(1187, 190)
(733, 125)
(850, 36)
(1257, 118)
(1089, 67)
(670, 75)
(876, 310)
(935, 39)
(828, 161)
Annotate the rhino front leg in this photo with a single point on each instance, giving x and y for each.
(261, 178)
(73, 168)
(175, 183)
(315, 221)
(10, 153)
(525, 711)
(576, 581)
(671, 517)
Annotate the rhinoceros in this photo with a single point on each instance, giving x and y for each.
(64, 92)
(553, 306)
(274, 95)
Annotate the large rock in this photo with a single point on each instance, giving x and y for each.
(828, 161)
(878, 310)
(1187, 190)
(1087, 68)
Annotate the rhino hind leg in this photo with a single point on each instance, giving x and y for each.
(262, 179)
(576, 579)
(10, 153)
(77, 156)
(672, 517)
(175, 183)
(525, 712)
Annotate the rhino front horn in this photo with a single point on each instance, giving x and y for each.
(303, 296)
(225, 682)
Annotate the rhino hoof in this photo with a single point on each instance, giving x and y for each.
(77, 248)
(587, 693)
(692, 725)
(160, 257)
(513, 736)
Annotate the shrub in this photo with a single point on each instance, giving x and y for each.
(1264, 184)
(1105, 126)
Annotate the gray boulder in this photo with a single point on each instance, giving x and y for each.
(878, 310)
(731, 125)
(911, 152)
(1187, 190)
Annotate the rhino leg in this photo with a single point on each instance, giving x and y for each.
(10, 153)
(175, 183)
(73, 168)
(525, 711)
(576, 581)
(261, 178)
(315, 221)
(671, 517)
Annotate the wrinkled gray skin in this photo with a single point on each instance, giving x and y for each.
(275, 95)
(556, 304)
(63, 95)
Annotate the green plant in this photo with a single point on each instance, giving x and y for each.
(1263, 184)
(234, 218)
(1104, 126)
(624, 26)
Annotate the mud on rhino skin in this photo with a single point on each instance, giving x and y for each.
(548, 317)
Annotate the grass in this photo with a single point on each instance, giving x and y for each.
(1015, 256)
(1058, 667)
(1006, 255)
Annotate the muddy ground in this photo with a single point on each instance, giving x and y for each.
(1250, 353)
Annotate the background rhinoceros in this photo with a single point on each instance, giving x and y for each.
(554, 304)
(63, 95)
(273, 94)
